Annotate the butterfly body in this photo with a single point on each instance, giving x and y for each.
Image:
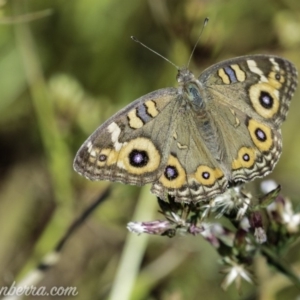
(193, 141)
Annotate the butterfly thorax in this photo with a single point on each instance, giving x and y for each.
(191, 89)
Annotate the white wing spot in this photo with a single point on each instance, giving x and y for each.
(90, 147)
(255, 69)
(275, 64)
(93, 153)
(115, 132)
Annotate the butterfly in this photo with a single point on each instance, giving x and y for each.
(194, 141)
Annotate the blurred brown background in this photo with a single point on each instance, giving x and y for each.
(67, 66)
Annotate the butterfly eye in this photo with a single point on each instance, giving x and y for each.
(179, 77)
(246, 157)
(260, 134)
(102, 157)
(174, 175)
(205, 175)
(266, 100)
(138, 158)
(171, 172)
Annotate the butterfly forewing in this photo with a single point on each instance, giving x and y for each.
(261, 85)
(129, 147)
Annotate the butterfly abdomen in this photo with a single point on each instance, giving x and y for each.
(211, 137)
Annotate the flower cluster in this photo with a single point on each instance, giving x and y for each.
(262, 225)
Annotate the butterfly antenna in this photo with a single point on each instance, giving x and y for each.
(204, 24)
(137, 41)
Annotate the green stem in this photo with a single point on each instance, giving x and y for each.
(280, 265)
(57, 153)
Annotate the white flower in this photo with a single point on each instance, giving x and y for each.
(232, 200)
(291, 220)
(260, 235)
(153, 227)
(235, 272)
(268, 185)
(282, 211)
(136, 227)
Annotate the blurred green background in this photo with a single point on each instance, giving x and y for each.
(67, 66)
